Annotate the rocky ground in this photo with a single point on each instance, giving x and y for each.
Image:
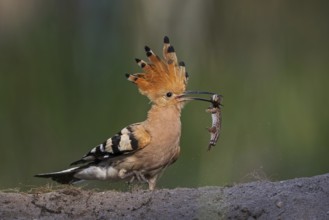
(302, 198)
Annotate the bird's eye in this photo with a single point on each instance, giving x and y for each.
(169, 94)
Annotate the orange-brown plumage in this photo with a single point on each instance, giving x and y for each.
(160, 75)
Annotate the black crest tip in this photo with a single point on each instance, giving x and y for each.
(137, 60)
(147, 49)
(148, 54)
(166, 40)
(127, 75)
(181, 63)
(171, 49)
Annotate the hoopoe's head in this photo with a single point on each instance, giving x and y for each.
(163, 81)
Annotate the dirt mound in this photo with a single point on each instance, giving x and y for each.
(302, 198)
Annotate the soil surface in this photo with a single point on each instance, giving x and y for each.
(302, 198)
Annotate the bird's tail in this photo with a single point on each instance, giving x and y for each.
(63, 177)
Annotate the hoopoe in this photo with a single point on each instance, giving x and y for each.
(141, 151)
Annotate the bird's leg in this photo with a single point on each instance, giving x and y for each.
(134, 175)
(152, 182)
(131, 180)
(140, 176)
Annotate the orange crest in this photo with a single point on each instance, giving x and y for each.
(160, 75)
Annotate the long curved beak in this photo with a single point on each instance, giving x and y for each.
(214, 99)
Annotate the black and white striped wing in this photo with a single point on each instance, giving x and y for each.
(128, 140)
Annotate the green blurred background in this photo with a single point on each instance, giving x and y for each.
(63, 89)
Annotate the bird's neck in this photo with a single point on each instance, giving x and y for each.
(164, 119)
